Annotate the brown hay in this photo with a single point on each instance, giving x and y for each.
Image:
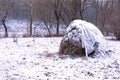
(71, 47)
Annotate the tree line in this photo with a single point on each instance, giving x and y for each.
(105, 14)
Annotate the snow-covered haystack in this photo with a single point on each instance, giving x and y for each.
(82, 38)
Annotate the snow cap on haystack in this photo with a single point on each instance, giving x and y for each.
(88, 34)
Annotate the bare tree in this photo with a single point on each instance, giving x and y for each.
(70, 11)
(75, 9)
(45, 13)
(103, 13)
(29, 9)
(83, 5)
(57, 7)
(31, 16)
(6, 8)
(114, 18)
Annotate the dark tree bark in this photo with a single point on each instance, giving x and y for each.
(49, 33)
(31, 18)
(5, 27)
(31, 21)
(4, 17)
(57, 5)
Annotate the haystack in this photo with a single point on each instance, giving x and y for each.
(82, 38)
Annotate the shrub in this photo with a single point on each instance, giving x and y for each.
(117, 34)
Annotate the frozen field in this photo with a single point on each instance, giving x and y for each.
(37, 59)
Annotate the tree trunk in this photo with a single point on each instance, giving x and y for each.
(57, 5)
(5, 27)
(81, 15)
(57, 29)
(6, 11)
(57, 15)
(97, 11)
(31, 17)
(30, 25)
(81, 10)
(49, 33)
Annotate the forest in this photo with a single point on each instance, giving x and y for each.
(105, 14)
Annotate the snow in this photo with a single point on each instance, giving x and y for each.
(37, 59)
(88, 34)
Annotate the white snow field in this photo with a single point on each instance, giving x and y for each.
(37, 59)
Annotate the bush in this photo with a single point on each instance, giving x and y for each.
(117, 34)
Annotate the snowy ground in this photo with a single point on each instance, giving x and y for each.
(37, 59)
